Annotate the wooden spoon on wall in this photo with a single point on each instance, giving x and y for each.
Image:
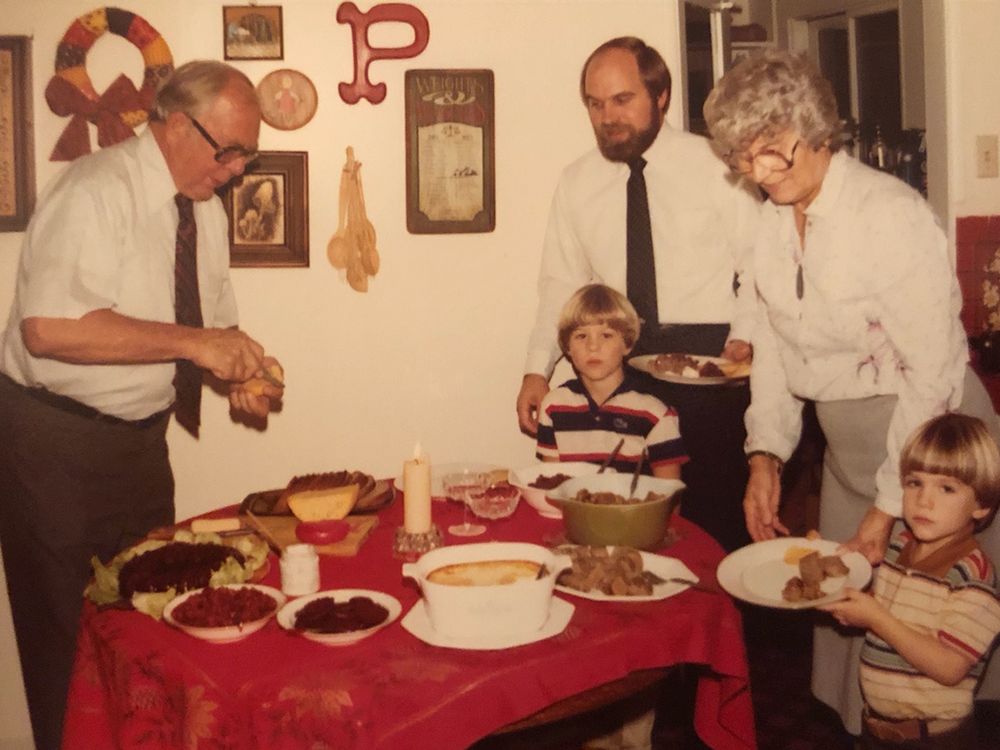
(338, 249)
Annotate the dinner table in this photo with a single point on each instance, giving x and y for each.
(140, 683)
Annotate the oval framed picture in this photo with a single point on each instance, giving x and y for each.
(287, 99)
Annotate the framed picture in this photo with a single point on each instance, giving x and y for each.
(450, 176)
(17, 149)
(252, 32)
(287, 99)
(268, 208)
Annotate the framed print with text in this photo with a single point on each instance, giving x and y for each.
(450, 174)
(17, 150)
(268, 208)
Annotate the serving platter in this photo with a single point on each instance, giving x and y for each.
(418, 623)
(286, 615)
(226, 633)
(758, 572)
(659, 565)
(735, 371)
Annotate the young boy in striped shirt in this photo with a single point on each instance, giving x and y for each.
(584, 419)
(934, 611)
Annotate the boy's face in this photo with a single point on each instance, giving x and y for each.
(597, 351)
(938, 508)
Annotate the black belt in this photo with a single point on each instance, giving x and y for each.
(686, 338)
(74, 407)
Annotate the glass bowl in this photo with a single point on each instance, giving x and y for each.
(497, 500)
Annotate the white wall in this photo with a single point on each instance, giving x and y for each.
(433, 352)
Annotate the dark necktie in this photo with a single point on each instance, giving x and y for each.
(187, 307)
(640, 269)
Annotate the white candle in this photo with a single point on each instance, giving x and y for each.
(417, 493)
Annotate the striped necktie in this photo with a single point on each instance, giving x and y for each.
(640, 269)
(187, 307)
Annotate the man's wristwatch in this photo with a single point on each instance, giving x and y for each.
(777, 460)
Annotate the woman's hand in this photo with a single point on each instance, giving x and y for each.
(857, 609)
(760, 503)
(872, 536)
(737, 350)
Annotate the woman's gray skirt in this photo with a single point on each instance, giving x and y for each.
(856, 431)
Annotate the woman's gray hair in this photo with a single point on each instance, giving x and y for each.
(768, 93)
(194, 85)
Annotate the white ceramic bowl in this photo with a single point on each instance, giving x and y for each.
(503, 610)
(229, 633)
(286, 617)
(522, 479)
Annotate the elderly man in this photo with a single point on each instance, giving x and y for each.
(123, 299)
(652, 212)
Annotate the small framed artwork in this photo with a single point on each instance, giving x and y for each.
(252, 32)
(268, 208)
(17, 150)
(287, 99)
(450, 177)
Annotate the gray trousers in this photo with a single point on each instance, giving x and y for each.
(855, 432)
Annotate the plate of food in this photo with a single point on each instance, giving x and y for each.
(224, 614)
(339, 617)
(792, 572)
(440, 471)
(691, 369)
(622, 574)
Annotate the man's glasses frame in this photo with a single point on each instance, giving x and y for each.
(224, 154)
(769, 159)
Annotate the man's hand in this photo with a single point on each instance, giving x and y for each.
(228, 353)
(872, 536)
(257, 396)
(737, 350)
(761, 500)
(529, 400)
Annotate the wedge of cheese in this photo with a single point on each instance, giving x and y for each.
(323, 504)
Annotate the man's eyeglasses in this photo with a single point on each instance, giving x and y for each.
(224, 154)
(768, 159)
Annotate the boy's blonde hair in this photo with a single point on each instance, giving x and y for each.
(597, 303)
(961, 447)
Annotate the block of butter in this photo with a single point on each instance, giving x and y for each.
(215, 525)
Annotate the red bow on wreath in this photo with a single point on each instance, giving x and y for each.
(106, 113)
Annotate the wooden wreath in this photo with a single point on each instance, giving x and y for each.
(121, 108)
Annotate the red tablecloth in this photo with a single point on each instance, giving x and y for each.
(139, 683)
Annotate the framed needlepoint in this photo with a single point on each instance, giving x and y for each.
(268, 209)
(252, 32)
(450, 173)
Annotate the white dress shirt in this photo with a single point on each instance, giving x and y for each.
(878, 314)
(103, 237)
(702, 224)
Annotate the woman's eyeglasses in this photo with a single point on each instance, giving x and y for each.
(224, 154)
(769, 159)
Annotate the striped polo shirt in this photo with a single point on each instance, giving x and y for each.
(951, 595)
(572, 427)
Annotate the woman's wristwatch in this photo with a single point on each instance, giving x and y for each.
(777, 460)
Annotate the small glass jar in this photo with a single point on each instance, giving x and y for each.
(299, 570)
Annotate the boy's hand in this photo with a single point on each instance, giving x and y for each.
(529, 400)
(857, 609)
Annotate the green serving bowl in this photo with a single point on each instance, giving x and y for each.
(641, 524)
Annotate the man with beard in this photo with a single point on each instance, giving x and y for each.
(698, 298)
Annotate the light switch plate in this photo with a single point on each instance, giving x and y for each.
(986, 156)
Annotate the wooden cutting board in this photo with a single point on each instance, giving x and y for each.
(282, 528)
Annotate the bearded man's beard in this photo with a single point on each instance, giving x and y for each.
(634, 145)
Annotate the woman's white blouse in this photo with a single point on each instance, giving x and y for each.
(878, 313)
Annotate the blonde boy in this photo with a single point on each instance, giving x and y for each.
(933, 612)
(584, 419)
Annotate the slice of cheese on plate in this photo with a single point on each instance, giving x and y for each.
(323, 504)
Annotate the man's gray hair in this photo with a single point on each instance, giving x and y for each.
(192, 87)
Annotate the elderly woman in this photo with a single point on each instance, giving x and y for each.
(859, 315)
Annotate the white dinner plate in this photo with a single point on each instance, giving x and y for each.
(758, 572)
(417, 623)
(740, 371)
(286, 615)
(664, 567)
(227, 633)
(442, 470)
